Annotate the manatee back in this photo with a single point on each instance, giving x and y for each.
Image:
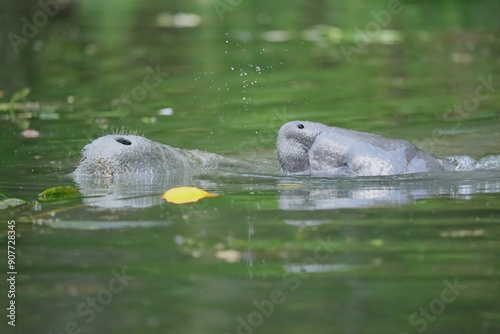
(368, 154)
(129, 154)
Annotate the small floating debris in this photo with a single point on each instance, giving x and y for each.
(462, 233)
(179, 20)
(387, 37)
(317, 268)
(29, 133)
(321, 32)
(276, 36)
(325, 35)
(462, 57)
(48, 115)
(166, 112)
(11, 203)
(228, 255)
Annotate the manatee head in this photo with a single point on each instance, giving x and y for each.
(294, 142)
(124, 154)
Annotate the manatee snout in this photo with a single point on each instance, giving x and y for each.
(294, 142)
(112, 155)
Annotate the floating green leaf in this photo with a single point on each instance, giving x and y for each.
(58, 194)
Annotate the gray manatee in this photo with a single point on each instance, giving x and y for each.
(317, 149)
(122, 155)
(127, 171)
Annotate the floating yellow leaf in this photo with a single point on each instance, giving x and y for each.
(181, 195)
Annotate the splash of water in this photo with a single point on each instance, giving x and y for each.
(466, 163)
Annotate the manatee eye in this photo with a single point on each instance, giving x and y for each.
(123, 141)
(300, 126)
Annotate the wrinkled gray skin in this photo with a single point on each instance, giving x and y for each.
(316, 149)
(122, 155)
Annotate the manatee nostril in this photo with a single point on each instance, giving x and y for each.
(300, 126)
(123, 141)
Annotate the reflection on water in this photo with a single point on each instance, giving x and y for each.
(359, 193)
(328, 194)
(317, 268)
(143, 190)
(139, 191)
(295, 193)
(102, 225)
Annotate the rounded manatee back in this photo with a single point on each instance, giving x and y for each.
(113, 155)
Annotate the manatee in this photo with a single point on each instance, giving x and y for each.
(317, 149)
(131, 155)
(128, 171)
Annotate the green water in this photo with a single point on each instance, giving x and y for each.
(272, 254)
